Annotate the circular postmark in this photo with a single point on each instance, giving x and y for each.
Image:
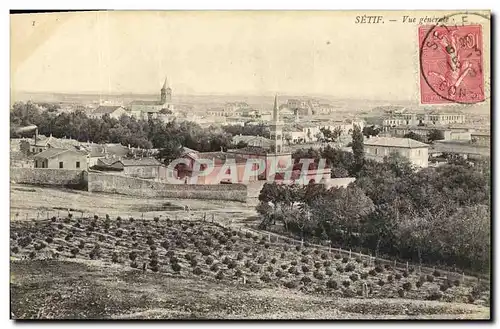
(452, 59)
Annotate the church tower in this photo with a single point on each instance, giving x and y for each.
(166, 93)
(276, 128)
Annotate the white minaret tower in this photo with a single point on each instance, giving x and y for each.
(276, 128)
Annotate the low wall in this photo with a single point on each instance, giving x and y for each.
(98, 182)
(52, 177)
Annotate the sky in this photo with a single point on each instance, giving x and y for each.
(300, 53)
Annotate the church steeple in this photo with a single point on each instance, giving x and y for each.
(166, 92)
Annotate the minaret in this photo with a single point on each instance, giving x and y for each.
(166, 93)
(276, 128)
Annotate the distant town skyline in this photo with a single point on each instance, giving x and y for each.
(248, 53)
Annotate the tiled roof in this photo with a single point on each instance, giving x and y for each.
(52, 152)
(140, 162)
(394, 142)
(106, 109)
(140, 102)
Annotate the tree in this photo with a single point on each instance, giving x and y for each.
(171, 150)
(369, 131)
(414, 136)
(435, 135)
(357, 148)
(330, 136)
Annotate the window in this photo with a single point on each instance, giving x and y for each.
(78, 164)
(376, 151)
(60, 165)
(36, 163)
(40, 150)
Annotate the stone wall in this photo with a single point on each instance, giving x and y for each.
(98, 182)
(52, 177)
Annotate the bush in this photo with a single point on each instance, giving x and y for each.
(346, 283)
(430, 278)
(205, 252)
(324, 255)
(332, 284)
(318, 275)
(238, 273)
(345, 260)
(328, 272)
(132, 255)
(246, 249)
(419, 284)
(248, 235)
(305, 280)
(267, 245)
(443, 287)
(405, 273)
(134, 265)
(317, 265)
(255, 268)
(401, 293)
(215, 267)
(115, 258)
(364, 275)
(209, 260)
(340, 269)
(305, 269)
(197, 271)
(305, 252)
(270, 268)
(291, 284)
(407, 286)
(353, 277)
(390, 278)
(372, 272)
(193, 262)
(219, 275)
(456, 282)
(379, 269)
(358, 260)
(261, 260)
(273, 260)
(380, 282)
(349, 267)
(292, 270)
(279, 274)
(436, 273)
(297, 248)
(232, 264)
(282, 255)
(435, 295)
(226, 260)
(284, 266)
(397, 276)
(337, 256)
(265, 278)
(327, 263)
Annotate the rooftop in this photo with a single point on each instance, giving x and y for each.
(141, 102)
(106, 109)
(52, 152)
(394, 142)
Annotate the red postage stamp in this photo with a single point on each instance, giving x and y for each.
(451, 64)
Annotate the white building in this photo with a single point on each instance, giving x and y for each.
(376, 148)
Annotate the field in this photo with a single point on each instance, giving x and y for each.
(173, 264)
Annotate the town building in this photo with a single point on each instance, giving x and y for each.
(146, 168)
(55, 158)
(376, 148)
(251, 140)
(421, 118)
(144, 109)
(114, 111)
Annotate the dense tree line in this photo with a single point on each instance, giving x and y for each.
(152, 133)
(433, 215)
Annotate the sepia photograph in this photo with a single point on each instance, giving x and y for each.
(250, 165)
